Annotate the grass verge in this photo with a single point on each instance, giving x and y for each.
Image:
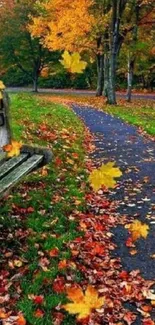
(140, 112)
(38, 219)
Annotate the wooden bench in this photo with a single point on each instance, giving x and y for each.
(12, 170)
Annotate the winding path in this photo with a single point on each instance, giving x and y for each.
(135, 193)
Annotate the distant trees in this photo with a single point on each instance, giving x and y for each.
(95, 27)
(100, 30)
(17, 47)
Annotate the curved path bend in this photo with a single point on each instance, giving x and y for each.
(135, 193)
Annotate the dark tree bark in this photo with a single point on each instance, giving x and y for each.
(118, 8)
(100, 66)
(100, 79)
(131, 63)
(35, 84)
(106, 74)
(132, 56)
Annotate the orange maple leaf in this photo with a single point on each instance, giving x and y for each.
(138, 229)
(83, 304)
(13, 148)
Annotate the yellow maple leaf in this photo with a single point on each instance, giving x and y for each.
(83, 304)
(138, 229)
(104, 176)
(13, 149)
(2, 86)
(73, 62)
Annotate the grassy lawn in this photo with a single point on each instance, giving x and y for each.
(140, 112)
(35, 222)
(143, 116)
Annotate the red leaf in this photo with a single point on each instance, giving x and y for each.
(124, 275)
(59, 285)
(129, 242)
(39, 313)
(54, 252)
(58, 318)
(38, 300)
(129, 317)
(30, 209)
(148, 321)
(58, 161)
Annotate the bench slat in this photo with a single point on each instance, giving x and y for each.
(23, 169)
(10, 164)
(2, 156)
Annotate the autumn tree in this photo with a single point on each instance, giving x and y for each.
(139, 44)
(89, 26)
(17, 47)
(72, 26)
(97, 27)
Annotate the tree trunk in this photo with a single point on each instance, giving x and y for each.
(106, 75)
(118, 8)
(100, 66)
(130, 77)
(112, 80)
(132, 56)
(35, 83)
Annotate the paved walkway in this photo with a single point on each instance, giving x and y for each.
(135, 194)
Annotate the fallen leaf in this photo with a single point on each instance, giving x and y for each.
(17, 263)
(62, 264)
(59, 285)
(39, 313)
(38, 300)
(3, 315)
(54, 252)
(149, 294)
(148, 321)
(83, 304)
(21, 320)
(104, 176)
(138, 229)
(13, 149)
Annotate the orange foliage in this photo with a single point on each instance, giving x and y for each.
(65, 25)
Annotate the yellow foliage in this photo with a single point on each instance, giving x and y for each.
(45, 72)
(73, 63)
(138, 229)
(2, 86)
(65, 24)
(83, 304)
(104, 176)
(13, 149)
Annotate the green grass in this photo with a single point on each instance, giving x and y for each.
(52, 198)
(143, 116)
(140, 112)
